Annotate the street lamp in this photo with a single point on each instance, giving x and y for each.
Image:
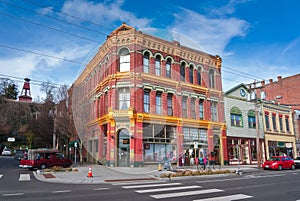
(253, 98)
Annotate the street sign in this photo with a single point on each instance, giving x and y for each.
(11, 139)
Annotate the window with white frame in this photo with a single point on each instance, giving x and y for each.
(201, 109)
(214, 112)
(168, 68)
(157, 65)
(158, 102)
(182, 71)
(124, 98)
(124, 60)
(146, 62)
(170, 104)
(212, 78)
(236, 117)
(147, 101)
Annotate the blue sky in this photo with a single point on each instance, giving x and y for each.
(51, 40)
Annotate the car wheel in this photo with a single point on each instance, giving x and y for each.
(279, 167)
(293, 167)
(43, 166)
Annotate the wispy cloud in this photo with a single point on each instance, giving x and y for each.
(103, 13)
(211, 34)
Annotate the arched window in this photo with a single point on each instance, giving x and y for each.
(251, 119)
(212, 78)
(182, 71)
(124, 60)
(191, 74)
(146, 63)
(157, 65)
(170, 104)
(236, 117)
(199, 76)
(168, 68)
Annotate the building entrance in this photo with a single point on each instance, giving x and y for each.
(123, 148)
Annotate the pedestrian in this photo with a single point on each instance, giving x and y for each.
(204, 162)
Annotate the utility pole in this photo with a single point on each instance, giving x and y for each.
(257, 100)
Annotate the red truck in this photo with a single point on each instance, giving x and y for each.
(44, 158)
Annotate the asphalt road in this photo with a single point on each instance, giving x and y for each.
(19, 184)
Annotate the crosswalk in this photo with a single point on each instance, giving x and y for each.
(163, 189)
(22, 177)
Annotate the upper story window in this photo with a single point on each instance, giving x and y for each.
(158, 102)
(105, 102)
(267, 121)
(199, 76)
(212, 78)
(157, 65)
(184, 106)
(214, 111)
(168, 68)
(191, 74)
(280, 123)
(182, 71)
(287, 124)
(251, 119)
(236, 117)
(124, 98)
(170, 104)
(146, 62)
(147, 101)
(124, 60)
(274, 122)
(193, 108)
(201, 110)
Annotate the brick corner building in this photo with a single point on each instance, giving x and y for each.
(142, 100)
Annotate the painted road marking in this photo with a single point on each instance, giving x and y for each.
(24, 177)
(227, 198)
(167, 189)
(151, 185)
(181, 194)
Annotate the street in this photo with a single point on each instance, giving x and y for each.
(19, 184)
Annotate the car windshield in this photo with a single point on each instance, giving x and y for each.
(274, 159)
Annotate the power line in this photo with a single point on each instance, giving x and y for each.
(67, 14)
(35, 23)
(32, 11)
(40, 54)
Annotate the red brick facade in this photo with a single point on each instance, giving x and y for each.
(286, 91)
(135, 102)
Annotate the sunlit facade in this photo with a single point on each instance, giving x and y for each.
(142, 99)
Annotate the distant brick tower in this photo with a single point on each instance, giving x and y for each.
(25, 94)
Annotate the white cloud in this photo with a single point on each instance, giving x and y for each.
(212, 35)
(103, 13)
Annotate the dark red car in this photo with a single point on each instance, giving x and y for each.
(279, 163)
(44, 158)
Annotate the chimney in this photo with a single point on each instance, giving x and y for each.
(271, 81)
(279, 78)
(25, 93)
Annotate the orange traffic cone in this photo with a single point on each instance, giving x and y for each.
(90, 174)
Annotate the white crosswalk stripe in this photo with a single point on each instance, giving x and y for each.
(174, 190)
(167, 189)
(185, 193)
(227, 198)
(24, 177)
(151, 185)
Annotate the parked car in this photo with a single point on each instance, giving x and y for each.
(6, 152)
(19, 154)
(44, 158)
(297, 162)
(279, 163)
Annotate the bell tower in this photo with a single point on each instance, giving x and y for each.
(25, 94)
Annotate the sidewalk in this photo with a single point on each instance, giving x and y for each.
(105, 174)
